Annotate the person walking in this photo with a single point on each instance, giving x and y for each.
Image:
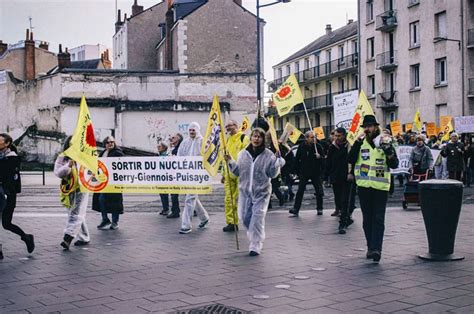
(255, 167)
(165, 201)
(373, 155)
(191, 146)
(440, 164)
(175, 142)
(308, 163)
(236, 142)
(10, 184)
(336, 172)
(421, 159)
(276, 182)
(109, 203)
(73, 199)
(454, 153)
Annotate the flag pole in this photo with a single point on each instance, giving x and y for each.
(311, 128)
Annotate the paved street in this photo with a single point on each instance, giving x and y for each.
(146, 266)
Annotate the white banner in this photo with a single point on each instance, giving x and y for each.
(344, 108)
(403, 154)
(464, 124)
(148, 175)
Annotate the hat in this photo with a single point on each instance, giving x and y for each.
(195, 126)
(369, 120)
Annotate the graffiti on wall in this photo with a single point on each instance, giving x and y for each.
(160, 129)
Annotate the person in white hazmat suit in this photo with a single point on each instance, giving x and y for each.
(191, 146)
(255, 167)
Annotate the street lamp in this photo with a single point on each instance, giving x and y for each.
(259, 74)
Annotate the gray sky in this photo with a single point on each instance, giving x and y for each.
(290, 26)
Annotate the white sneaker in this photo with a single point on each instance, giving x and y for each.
(185, 230)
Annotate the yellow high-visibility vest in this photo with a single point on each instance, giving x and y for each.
(371, 170)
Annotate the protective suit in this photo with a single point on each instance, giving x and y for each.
(76, 225)
(192, 147)
(235, 144)
(255, 191)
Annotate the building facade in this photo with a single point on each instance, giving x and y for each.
(87, 52)
(417, 55)
(326, 67)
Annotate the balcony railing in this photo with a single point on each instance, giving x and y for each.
(386, 21)
(387, 99)
(471, 87)
(387, 60)
(470, 38)
(321, 71)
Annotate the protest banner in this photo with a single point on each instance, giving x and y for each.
(273, 133)
(464, 124)
(148, 175)
(319, 132)
(403, 154)
(431, 129)
(290, 133)
(396, 127)
(344, 108)
(408, 127)
(443, 121)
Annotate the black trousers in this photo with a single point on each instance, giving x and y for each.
(373, 203)
(341, 199)
(7, 217)
(455, 175)
(316, 181)
(276, 189)
(174, 202)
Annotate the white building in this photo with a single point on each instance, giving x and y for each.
(87, 52)
(417, 55)
(325, 67)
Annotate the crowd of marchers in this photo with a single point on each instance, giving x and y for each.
(253, 171)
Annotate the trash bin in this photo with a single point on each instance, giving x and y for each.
(441, 202)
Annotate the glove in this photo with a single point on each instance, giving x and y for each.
(280, 162)
(350, 177)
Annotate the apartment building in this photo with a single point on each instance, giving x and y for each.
(417, 55)
(324, 68)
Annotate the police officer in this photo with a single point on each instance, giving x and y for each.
(372, 156)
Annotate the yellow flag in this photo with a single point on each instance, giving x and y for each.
(417, 121)
(83, 149)
(447, 130)
(290, 133)
(245, 125)
(319, 132)
(273, 133)
(363, 108)
(213, 148)
(287, 96)
(396, 127)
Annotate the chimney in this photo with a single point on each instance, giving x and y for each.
(3, 47)
(239, 2)
(64, 58)
(29, 56)
(44, 45)
(105, 59)
(169, 41)
(125, 17)
(328, 29)
(118, 24)
(136, 8)
(350, 21)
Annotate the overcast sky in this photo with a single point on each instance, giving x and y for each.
(290, 26)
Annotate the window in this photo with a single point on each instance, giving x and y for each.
(306, 64)
(415, 76)
(297, 122)
(355, 47)
(288, 70)
(370, 48)
(341, 54)
(370, 11)
(440, 25)
(413, 2)
(388, 5)
(328, 61)
(371, 85)
(414, 34)
(317, 119)
(329, 118)
(280, 73)
(341, 84)
(441, 110)
(297, 67)
(441, 71)
(355, 81)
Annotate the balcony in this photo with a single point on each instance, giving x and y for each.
(322, 71)
(387, 61)
(387, 100)
(471, 88)
(386, 21)
(413, 2)
(470, 38)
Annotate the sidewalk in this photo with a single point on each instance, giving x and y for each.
(146, 266)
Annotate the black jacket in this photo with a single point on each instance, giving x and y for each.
(113, 201)
(306, 164)
(9, 167)
(455, 156)
(336, 163)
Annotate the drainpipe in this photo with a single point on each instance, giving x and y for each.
(463, 83)
(359, 78)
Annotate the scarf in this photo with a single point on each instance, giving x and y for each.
(254, 152)
(67, 186)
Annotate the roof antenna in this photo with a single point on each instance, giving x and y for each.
(31, 23)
